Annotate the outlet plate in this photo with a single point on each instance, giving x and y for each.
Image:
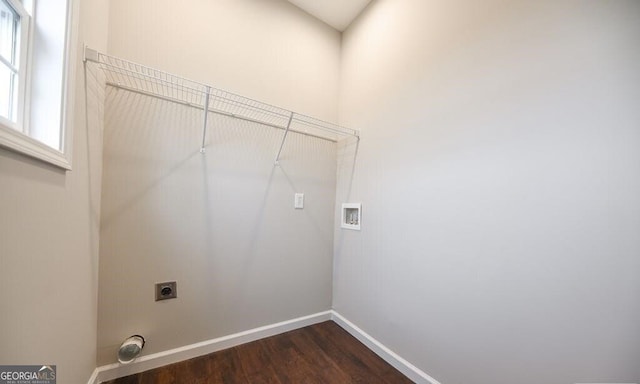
(166, 290)
(298, 202)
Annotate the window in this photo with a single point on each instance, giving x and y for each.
(36, 64)
(14, 45)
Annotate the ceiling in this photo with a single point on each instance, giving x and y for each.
(337, 13)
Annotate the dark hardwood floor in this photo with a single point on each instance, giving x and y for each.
(321, 353)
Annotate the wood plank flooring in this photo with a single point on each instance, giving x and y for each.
(318, 354)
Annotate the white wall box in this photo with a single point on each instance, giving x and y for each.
(351, 216)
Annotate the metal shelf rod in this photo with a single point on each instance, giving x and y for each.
(205, 113)
(217, 112)
(284, 137)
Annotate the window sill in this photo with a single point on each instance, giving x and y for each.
(21, 143)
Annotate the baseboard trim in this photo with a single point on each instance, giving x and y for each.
(156, 360)
(402, 365)
(94, 377)
(144, 363)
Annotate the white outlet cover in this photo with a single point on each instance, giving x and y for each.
(298, 201)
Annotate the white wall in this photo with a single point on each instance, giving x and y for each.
(222, 224)
(499, 173)
(268, 50)
(48, 238)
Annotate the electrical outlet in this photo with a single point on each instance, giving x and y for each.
(168, 290)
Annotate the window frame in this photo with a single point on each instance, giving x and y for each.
(22, 69)
(16, 136)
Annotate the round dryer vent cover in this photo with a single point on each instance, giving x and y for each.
(130, 349)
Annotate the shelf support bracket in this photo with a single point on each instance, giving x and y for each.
(207, 93)
(284, 137)
(90, 55)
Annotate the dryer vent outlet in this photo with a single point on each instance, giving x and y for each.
(168, 290)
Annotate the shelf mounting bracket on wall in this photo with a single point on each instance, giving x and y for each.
(284, 137)
(205, 110)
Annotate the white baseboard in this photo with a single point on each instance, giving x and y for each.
(402, 365)
(94, 377)
(156, 360)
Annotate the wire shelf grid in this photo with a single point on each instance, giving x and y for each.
(153, 82)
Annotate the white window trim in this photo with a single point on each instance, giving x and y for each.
(22, 142)
(24, 37)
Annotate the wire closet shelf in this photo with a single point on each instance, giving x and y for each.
(138, 78)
